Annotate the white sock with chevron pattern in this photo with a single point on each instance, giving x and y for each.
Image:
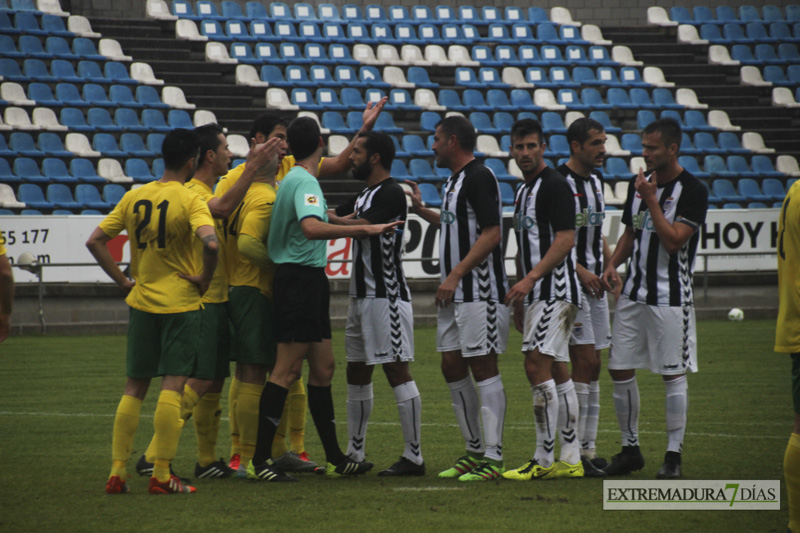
(568, 422)
(493, 411)
(359, 407)
(409, 406)
(467, 409)
(626, 404)
(545, 413)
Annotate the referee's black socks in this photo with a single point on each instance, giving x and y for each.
(270, 408)
(320, 403)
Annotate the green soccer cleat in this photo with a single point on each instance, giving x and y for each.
(568, 470)
(267, 472)
(348, 467)
(485, 471)
(531, 470)
(463, 465)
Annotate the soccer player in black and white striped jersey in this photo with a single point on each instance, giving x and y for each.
(591, 331)
(379, 297)
(654, 324)
(473, 320)
(546, 298)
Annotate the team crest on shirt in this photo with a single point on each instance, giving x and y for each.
(577, 330)
(312, 199)
(668, 203)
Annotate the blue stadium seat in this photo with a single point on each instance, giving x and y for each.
(560, 77)
(304, 12)
(616, 167)
(296, 77)
(723, 188)
(334, 122)
(8, 48)
(743, 54)
(153, 143)
(726, 14)
(333, 32)
(31, 46)
(67, 94)
(149, 97)
(290, 53)
(705, 142)
(466, 77)
(734, 33)
(712, 33)
(570, 99)
(502, 120)
(399, 99)
(781, 32)
(788, 53)
(351, 99)
(107, 145)
(748, 187)
(352, 13)
(473, 101)
(420, 170)
(729, 142)
(499, 169)
(358, 32)
(56, 170)
(207, 10)
(354, 120)
(90, 72)
(153, 121)
(400, 172)
(121, 96)
(631, 142)
(9, 70)
(521, 100)
(386, 124)
(415, 147)
(687, 147)
(34, 69)
(63, 71)
(602, 118)
(515, 14)
(763, 166)
(84, 171)
(95, 95)
(470, 15)
(113, 193)
(213, 30)
(60, 196)
(773, 188)
(4, 149)
(430, 195)
(680, 15)
(640, 98)
(772, 14)
(399, 15)
(33, 197)
(139, 170)
(696, 120)
(553, 123)
(620, 98)
(498, 33)
(28, 171)
(50, 144)
(232, 10)
(645, 117)
(84, 48)
(538, 76)
(551, 55)
(184, 9)
(506, 193)
(100, 120)
(757, 32)
(42, 95)
(419, 77)
(371, 77)
(320, 75)
(663, 99)
(558, 146)
(703, 15)
(716, 166)
(765, 54)
(375, 13)
(690, 163)
(429, 33)
(428, 120)
(498, 100)
(178, 118)
(598, 55)
(6, 174)
(328, 12)
(481, 121)
(749, 14)
(22, 143)
(738, 166)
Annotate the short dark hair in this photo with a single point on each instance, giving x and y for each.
(668, 127)
(266, 123)
(527, 126)
(303, 135)
(579, 130)
(208, 137)
(381, 144)
(179, 145)
(462, 129)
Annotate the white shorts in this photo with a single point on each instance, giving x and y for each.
(592, 325)
(547, 327)
(475, 328)
(379, 331)
(663, 339)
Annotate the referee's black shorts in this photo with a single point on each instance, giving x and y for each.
(301, 297)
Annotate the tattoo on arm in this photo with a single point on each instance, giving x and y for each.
(207, 248)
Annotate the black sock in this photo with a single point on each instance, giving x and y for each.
(320, 403)
(270, 408)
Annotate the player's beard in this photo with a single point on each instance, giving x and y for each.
(362, 171)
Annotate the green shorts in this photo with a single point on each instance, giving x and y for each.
(796, 381)
(162, 344)
(215, 339)
(253, 321)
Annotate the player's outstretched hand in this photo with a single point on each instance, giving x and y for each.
(414, 194)
(646, 188)
(377, 229)
(198, 281)
(371, 113)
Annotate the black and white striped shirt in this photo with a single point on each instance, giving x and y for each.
(589, 214)
(544, 206)
(377, 261)
(471, 202)
(656, 277)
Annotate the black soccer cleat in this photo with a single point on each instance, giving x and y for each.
(404, 467)
(591, 467)
(216, 470)
(145, 469)
(671, 469)
(630, 459)
(348, 467)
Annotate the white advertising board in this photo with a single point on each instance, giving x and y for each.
(61, 240)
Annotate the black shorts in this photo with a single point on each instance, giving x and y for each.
(301, 295)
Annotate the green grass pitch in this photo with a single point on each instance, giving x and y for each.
(58, 396)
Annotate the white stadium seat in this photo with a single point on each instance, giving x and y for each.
(111, 170)
(78, 144)
(688, 98)
(720, 120)
(14, 94)
(622, 54)
(782, 96)
(396, 77)
(18, 118)
(218, 53)
(719, 55)
(278, 99)
(187, 30)
(112, 50)
(546, 99)
(412, 55)
(248, 75)
(593, 34)
(754, 142)
(688, 34)
(143, 73)
(561, 15)
(81, 26)
(751, 75)
(426, 99)
(158, 9)
(788, 165)
(337, 145)
(174, 97)
(655, 76)
(7, 197)
(657, 16)
(513, 76)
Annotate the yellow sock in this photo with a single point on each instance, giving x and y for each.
(206, 425)
(279, 442)
(189, 400)
(247, 417)
(791, 471)
(167, 424)
(125, 424)
(298, 403)
(233, 396)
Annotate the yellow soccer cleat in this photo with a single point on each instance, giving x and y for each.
(531, 470)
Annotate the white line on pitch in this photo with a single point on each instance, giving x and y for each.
(507, 427)
(425, 489)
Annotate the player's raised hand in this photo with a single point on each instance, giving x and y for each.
(371, 113)
(415, 195)
(646, 188)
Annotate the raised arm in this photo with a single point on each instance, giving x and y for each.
(341, 163)
(418, 208)
(671, 236)
(315, 229)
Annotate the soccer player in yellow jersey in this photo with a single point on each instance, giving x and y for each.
(6, 291)
(169, 278)
(202, 391)
(787, 336)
